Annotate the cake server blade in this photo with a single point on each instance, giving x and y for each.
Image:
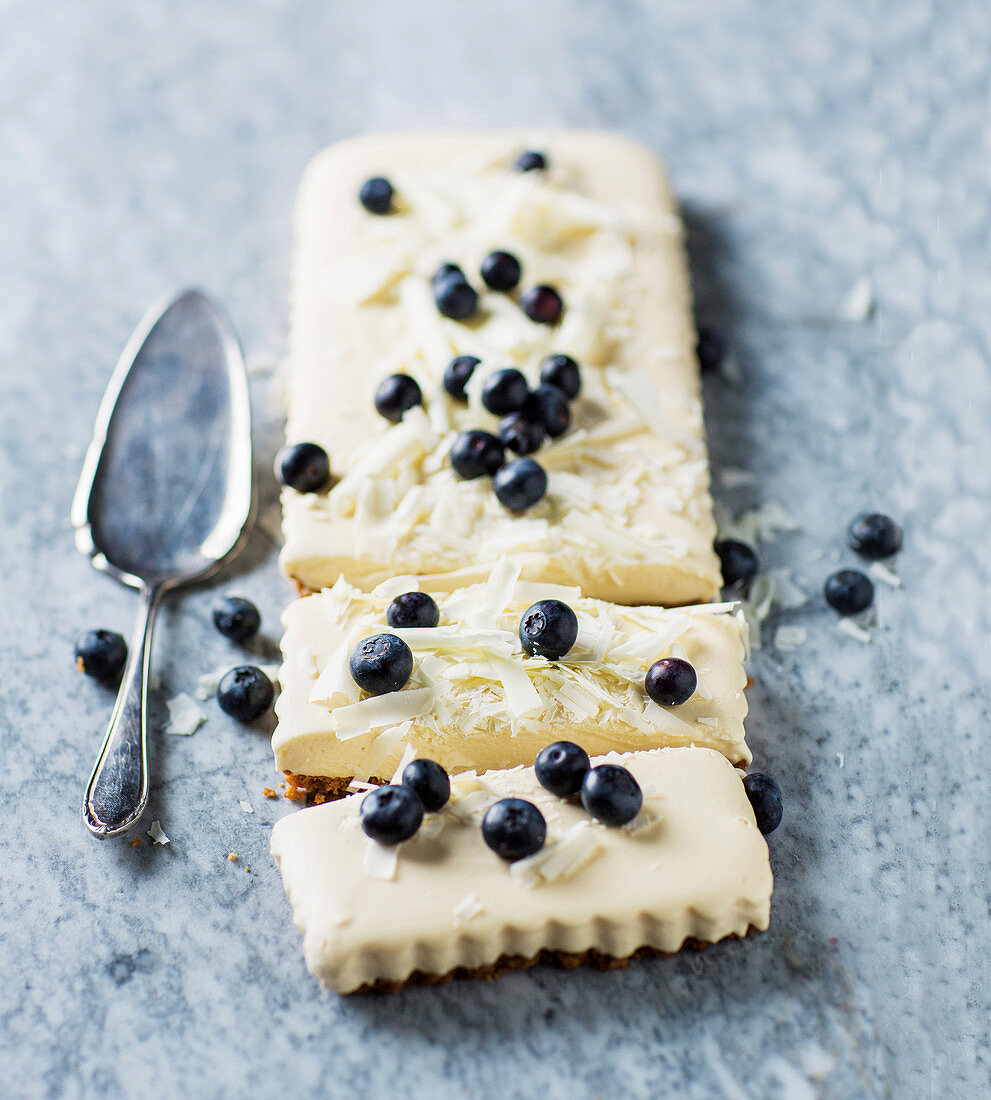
(165, 497)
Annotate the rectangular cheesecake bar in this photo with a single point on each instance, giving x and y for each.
(691, 868)
(627, 515)
(476, 700)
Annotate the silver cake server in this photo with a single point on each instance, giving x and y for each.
(165, 497)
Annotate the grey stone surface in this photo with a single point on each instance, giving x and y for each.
(147, 145)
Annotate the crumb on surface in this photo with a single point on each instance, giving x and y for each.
(232, 856)
(269, 793)
(136, 842)
(80, 664)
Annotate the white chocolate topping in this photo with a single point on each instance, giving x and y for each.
(692, 865)
(627, 516)
(475, 700)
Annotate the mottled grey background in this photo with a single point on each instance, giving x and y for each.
(147, 145)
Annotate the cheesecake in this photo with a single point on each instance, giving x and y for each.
(477, 700)
(626, 515)
(690, 869)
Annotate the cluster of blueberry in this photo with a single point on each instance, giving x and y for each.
(244, 692)
(849, 591)
(873, 536)
(514, 827)
(383, 663)
(454, 296)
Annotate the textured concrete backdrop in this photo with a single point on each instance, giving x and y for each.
(145, 145)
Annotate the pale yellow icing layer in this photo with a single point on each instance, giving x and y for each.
(476, 701)
(628, 515)
(692, 865)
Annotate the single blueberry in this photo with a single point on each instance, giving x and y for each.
(381, 663)
(304, 467)
(501, 271)
(376, 195)
(709, 349)
(671, 681)
(457, 374)
(737, 560)
(521, 435)
(476, 454)
(236, 618)
(412, 609)
(548, 628)
(561, 767)
(849, 591)
(430, 783)
(444, 271)
(547, 405)
(875, 535)
(455, 298)
(245, 693)
(530, 161)
(514, 828)
(543, 305)
(562, 371)
(520, 484)
(101, 654)
(765, 798)
(391, 814)
(611, 794)
(504, 391)
(396, 395)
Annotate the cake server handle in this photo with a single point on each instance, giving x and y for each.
(118, 788)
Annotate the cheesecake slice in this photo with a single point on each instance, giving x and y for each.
(627, 515)
(690, 869)
(475, 700)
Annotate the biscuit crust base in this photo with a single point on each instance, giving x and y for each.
(316, 789)
(558, 960)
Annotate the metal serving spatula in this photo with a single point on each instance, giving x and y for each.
(165, 496)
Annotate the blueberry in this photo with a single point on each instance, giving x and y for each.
(530, 161)
(430, 783)
(738, 561)
(304, 467)
(849, 591)
(391, 814)
(521, 435)
(245, 693)
(611, 794)
(476, 454)
(562, 371)
(236, 618)
(396, 395)
(547, 405)
(520, 484)
(456, 376)
(444, 271)
(504, 391)
(455, 298)
(514, 828)
(670, 681)
(376, 195)
(101, 654)
(709, 349)
(548, 628)
(561, 767)
(412, 609)
(501, 270)
(875, 535)
(381, 663)
(543, 305)
(765, 798)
